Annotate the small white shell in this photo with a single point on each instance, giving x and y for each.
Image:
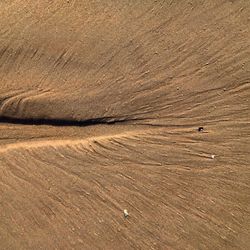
(212, 156)
(125, 212)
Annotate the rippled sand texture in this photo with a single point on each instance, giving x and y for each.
(100, 105)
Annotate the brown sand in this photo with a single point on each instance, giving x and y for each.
(100, 105)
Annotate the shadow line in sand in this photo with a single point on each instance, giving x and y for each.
(63, 122)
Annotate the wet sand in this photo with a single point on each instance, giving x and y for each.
(100, 108)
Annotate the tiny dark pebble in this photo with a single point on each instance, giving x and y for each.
(200, 129)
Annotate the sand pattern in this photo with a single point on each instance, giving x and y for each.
(100, 108)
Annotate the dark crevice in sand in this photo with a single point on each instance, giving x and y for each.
(65, 122)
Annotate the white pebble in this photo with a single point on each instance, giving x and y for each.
(212, 156)
(125, 212)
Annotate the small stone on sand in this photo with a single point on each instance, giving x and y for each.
(125, 212)
(200, 129)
